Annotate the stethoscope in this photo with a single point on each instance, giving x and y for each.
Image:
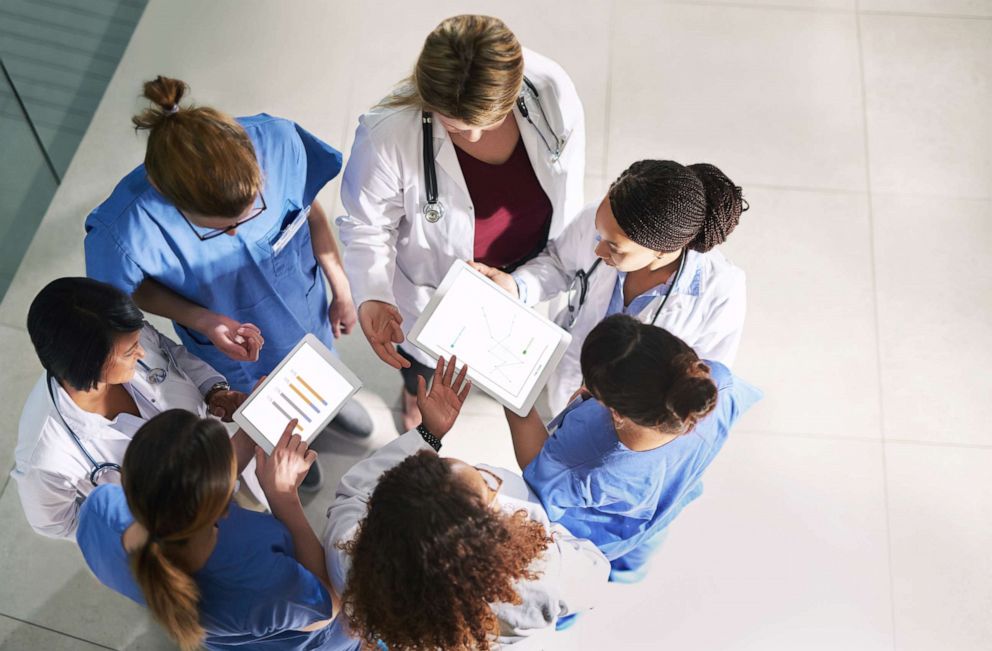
(580, 287)
(434, 209)
(99, 468)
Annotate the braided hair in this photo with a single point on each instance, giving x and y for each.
(665, 206)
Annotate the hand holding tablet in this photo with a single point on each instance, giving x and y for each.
(509, 348)
(309, 385)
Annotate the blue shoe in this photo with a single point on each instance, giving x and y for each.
(566, 622)
(628, 576)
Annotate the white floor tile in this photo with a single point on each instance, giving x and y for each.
(19, 636)
(46, 581)
(809, 338)
(940, 512)
(933, 7)
(20, 371)
(934, 302)
(785, 550)
(928, 94)
(837, 5)
(770, 96)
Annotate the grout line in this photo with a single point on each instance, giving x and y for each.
(747, 431)
(920, 14)
(609, 90)
(57, 632)
(934, 444)
(757, 5)
(878, 327)
(6, 480)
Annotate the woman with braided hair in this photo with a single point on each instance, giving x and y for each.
(646, 250)
(629, 453)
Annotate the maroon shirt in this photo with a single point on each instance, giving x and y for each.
(512, 212)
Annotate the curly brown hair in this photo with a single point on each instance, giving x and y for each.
(430, 557)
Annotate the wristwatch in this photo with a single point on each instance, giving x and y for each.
(431, 440)
(219, 386)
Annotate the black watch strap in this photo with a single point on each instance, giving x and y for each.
(432, 440)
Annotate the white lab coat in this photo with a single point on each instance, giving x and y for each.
(573, 572)
(52, 475)
(706, 308)
(392, 254)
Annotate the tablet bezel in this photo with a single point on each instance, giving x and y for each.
(459, 267)
(328, 356)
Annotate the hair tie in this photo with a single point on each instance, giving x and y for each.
(172, 110)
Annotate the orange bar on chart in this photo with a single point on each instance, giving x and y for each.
(305, 399)
(311, 390)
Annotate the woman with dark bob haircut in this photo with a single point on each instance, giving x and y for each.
(435, 553)
(629, 453)
(106, 373)
(213, 574)
(648, 250)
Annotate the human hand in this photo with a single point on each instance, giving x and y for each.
(342, 314)
(439, 407)
(239, 341)
(380, 322)
(281, 472)
(223, 403)
(504, 280)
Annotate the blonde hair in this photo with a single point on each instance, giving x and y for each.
(471, 69)
(199, 158)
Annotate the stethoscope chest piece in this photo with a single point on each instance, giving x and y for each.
(433, 211)
(153, 375)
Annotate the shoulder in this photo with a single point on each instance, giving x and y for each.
(722, 376)
(37, 425)
(586, 433)
(104, 501)
(718, 275)
(104, 513)
(733, 392)
(263, 123)
(546, 72)
(131, 195)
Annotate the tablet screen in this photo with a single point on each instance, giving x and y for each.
(509, 348)
(305, 386)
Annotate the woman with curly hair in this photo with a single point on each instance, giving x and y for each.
(434, 553)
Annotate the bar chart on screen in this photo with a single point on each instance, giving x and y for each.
(306, 388)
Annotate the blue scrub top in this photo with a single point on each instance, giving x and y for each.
(601, 490)
(137, 233)
(252, 589)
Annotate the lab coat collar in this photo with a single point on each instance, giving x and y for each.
(691, 280)
(88, 425)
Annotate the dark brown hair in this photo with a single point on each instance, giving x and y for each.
(647, 374)
(430, 557)
(471, 68)
(199, 158)
(178, 476)
(665, 206)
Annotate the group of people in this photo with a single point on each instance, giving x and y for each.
(479, 156)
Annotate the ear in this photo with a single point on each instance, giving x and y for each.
(617, 418)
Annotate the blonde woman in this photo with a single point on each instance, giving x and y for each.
(479, 155)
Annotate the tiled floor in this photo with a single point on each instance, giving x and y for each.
(851, 509)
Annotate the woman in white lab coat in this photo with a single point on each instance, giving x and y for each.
(431, 552)
(479, 155)
(107, 372)
(646, 250)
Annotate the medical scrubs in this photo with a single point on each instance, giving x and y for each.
(621, 499)
(253, 592)
(265, 274)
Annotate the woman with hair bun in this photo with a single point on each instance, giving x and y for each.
(647, 250)
(629, 453)
(220, 231)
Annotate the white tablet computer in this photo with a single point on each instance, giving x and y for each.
(510, 349)
(310, 384)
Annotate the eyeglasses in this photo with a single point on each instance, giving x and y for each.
(493, 482)
(216, 232)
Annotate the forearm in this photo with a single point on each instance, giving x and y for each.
(309, 552)
(152, 296)
(326, 251)
(529, 435)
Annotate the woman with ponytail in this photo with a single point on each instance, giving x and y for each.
(647, 250)
(213, 574)
(628, 454)
(220, 231)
